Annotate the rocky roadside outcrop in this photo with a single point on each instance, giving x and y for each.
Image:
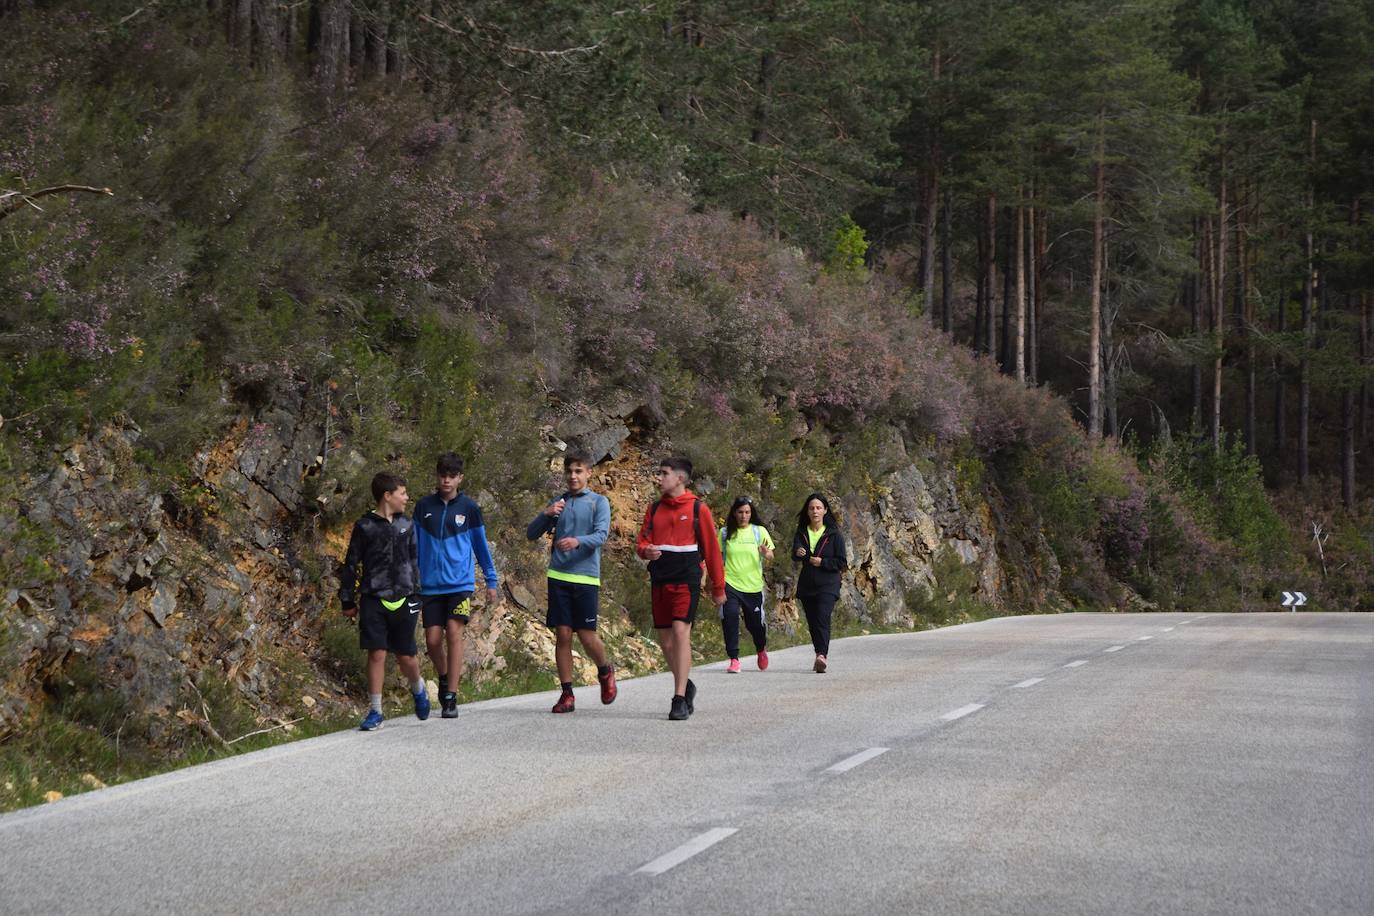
(229, 577)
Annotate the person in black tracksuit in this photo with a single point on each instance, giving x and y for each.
(379, 581)
(818, 546)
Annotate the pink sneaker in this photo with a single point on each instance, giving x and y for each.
(821, 664)
(763, 660)
(734, 667)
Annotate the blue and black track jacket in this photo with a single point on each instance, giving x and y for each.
(380, 560)
(452, 542)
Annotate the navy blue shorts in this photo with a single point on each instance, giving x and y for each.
(572, 604)
(380, 628)
(440, 609)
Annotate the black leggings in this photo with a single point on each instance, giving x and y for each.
(818, 610)
(751, 605)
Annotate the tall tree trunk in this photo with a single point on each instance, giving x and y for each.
(947, 267)
(931, 212)
(1348, 411)
(932, 209)
(768, 69)
(1038, 298)
(1194, 298)
(1019, 361)
(269, 46)
(990, 272)
(1308, 289)
(240, 25)
(1004, 357)
(374, 49)
(326, 41)
(1095, 296)
(1219, 310)
(1366, 360)
(980, 298)
(1241, 319)
(1110, 356)
(357, 45)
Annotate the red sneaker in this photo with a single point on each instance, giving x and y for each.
(733, 667)
(608, 688)
(564, 704)
(763, 660)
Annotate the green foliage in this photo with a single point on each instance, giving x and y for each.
(952, 597)
(848, 247)
(1225, 490)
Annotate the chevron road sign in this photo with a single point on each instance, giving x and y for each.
(1294, 600)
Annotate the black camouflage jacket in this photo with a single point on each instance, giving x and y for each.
(381, 560)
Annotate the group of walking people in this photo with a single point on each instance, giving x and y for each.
(398, 568)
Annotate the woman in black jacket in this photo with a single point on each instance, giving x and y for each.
(819, 547)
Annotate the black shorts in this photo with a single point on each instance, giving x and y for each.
(440, 609)
(572, 604)
(379, 628)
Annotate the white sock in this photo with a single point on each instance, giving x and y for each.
(375, 701)
(417, 685)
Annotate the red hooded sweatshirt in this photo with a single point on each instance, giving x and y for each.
(668, 527)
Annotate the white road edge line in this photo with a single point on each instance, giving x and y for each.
(961, 712)
(1028, 682)
(850, 763)
(1078, 664)
(686, 851)
(1113, 649)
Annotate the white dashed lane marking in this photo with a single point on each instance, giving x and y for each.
(1114, 649)
(1168, 629)
(1078, 664)
(850, 763)
(1143, 638)
(1028, 682)
(686, 851)
(961, 712)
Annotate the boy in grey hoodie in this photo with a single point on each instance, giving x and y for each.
(580, 522)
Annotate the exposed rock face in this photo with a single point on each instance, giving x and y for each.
(152, 593)
(228, 578)
(896, 539)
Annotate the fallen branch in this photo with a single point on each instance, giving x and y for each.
(203, 724)
(10, 201)
(263, 731)
(475, 31)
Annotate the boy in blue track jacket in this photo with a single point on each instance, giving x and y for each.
(451, 541)
(580, 522)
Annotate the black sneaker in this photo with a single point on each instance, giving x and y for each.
(449, 704)
(690, 697)
(679, 710)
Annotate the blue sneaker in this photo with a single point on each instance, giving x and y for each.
(372, 721)
(421, 705)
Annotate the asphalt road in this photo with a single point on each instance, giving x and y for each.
(1074, 764)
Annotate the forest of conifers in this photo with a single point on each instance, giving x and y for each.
(1159, 210)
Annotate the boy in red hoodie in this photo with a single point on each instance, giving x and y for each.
(678, 538)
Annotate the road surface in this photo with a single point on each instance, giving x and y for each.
(1171, 763)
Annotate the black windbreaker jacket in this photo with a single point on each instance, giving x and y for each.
(381, 560)
(823, 579)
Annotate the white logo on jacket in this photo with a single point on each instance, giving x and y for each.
(459, 519)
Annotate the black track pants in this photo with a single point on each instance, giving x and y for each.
(818, 610)
(750, 604)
